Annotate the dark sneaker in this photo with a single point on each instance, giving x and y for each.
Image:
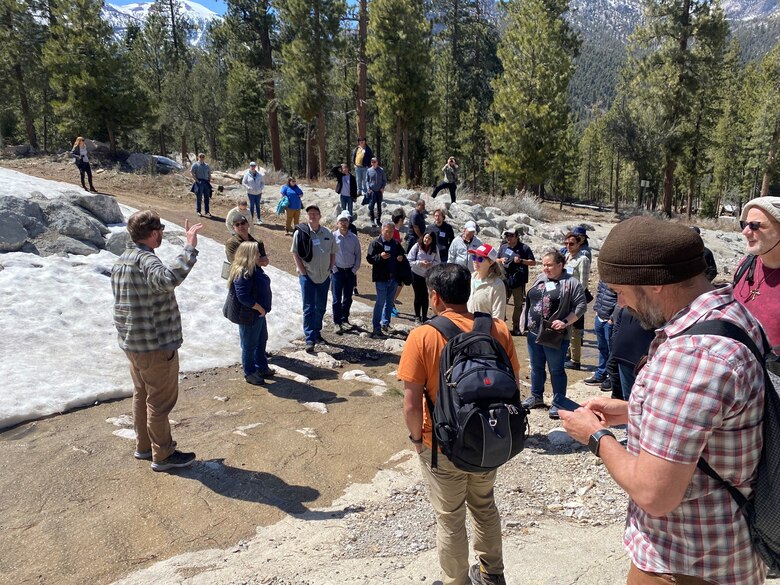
(175, 460)
(338, 329)
(309, 348)
(479, 577)
(377, 334)
(143, 455)
(355, 292)
(255, 379)
(516, 333)
(266, 373)
(593, 381)
(553, 413)
(532, 402)
(606, 385)
(385, 328)
(572, 365)
(347, 325)
(320, 339)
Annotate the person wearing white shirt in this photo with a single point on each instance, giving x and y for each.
(253, 181)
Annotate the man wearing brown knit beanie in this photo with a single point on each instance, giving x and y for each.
(699, 395)
(757, 279)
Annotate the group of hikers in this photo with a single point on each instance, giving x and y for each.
(685, 393)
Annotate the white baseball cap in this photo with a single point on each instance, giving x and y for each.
(470, 226)
(344, 215)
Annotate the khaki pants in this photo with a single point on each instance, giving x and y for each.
(451, 491)
(156, 378)
(518, 297)
(639, 577)
(576, 344)
(293, 219)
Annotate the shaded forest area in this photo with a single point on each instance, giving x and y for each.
(684, 117)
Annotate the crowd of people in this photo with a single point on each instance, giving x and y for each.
(682, 397)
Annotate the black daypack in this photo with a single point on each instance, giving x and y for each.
(748, 267)
(305, 249)
(477, 417)
(762, 507)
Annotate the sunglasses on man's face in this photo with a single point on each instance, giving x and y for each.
(477, 259)
(238, 223)
(753, 226)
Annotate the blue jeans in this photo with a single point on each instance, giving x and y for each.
(254, 339)
(343, 284)
(385, 293)
(254, 206)
(376, 200)
(603, 330)
(627, 377)
(315, 299)
(201, 190)
(553, 358)
(360, 175)
(346, 203)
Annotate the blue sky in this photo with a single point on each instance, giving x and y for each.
(217, 6)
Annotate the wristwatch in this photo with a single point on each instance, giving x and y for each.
(595, 440)
(415, 441)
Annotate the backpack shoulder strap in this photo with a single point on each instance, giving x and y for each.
(748, 266)
(444, 326)
(483, 323)
(735, 332)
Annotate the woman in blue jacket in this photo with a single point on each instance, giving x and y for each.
(294, 204)
(252, 289)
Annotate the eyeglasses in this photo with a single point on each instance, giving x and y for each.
(241, 223)
(477, 259)
(753, 226)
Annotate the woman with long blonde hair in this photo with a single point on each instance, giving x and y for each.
(251, 288)
(79, 152)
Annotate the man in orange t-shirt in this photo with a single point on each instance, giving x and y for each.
(452, 489)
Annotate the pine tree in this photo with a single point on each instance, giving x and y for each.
(670, 63)
(90, 75)
(309, 28)
(530, 114)
(398, 50)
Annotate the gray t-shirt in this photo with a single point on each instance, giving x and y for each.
(201, 171)
(323, 245)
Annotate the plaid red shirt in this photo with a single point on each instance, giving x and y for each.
(699, 396)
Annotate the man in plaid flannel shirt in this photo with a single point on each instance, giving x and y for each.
(696, 396)
(148, 325)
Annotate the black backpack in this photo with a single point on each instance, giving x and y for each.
(305, 249)
(762, 507)
(477, 417)
(748, 267)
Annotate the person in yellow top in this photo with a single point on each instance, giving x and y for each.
(361, 160)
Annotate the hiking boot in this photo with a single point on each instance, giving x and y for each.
(255, 379)
(385, 328)
(338, 329)
(553, 413)
(266, 373)
(309, 348)
(355, 292)
(478, 576)
(593, 381)
(516, 333)
(175, 460)
(377, 334)
(606, 385)
(571, 365)
(532, 402)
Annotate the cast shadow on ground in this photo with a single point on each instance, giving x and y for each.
(292, 390)
(260, 487)
(541, 442)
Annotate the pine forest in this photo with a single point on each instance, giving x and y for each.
(682, 115)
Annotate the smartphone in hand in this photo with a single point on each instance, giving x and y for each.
(562, 403)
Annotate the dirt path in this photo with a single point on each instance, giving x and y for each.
(77, 508)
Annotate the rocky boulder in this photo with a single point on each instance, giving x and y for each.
(12, 233)
(104, 207)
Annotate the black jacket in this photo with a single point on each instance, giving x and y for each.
(383, 270)
(366, 157)
(605, 301)
(442, 242)
(352, 185)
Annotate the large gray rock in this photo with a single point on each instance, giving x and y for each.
(67, 245)
(12, 233)
(103, 207)
(140, 161)
(69, 220)
(26, 211)
(117, 242)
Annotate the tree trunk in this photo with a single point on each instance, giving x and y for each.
(111, 139)
(617, 184)
(362, 73)
(185, 156)
(691, 187)
(311, 159)
(669, 168)
(406, 166)
(770, 161)
(321, 143)
(270, 92)
(24, 104)
(396, 152)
